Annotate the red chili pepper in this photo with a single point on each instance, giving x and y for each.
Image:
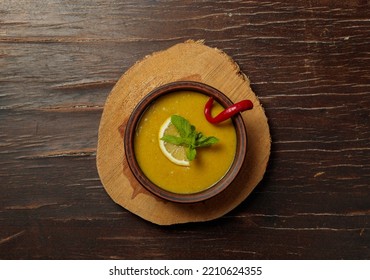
(228, 112)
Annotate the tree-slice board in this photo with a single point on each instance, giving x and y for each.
(188, 61)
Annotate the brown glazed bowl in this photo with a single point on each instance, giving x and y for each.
(241, 147)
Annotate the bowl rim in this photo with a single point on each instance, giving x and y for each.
(135, 118)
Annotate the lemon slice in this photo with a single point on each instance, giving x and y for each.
(175, 153)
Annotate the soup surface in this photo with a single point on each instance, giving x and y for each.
(210, 164)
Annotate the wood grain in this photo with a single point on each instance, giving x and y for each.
(188, 61)
(308, 63)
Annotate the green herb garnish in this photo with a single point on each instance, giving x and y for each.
(188, 137)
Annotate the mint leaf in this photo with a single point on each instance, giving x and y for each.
(179, 141)
(206, 141)
(182, 125)
(189, 137)
(191, 153)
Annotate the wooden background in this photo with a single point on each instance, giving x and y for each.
(308, 62)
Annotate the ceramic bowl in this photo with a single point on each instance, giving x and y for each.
(217, 188)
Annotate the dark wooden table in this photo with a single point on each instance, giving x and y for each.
(309, 63)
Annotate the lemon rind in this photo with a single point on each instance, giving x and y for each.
(163, 148)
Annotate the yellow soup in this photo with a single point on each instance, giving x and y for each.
(210, 164)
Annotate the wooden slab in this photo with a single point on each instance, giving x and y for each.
(186, 61)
